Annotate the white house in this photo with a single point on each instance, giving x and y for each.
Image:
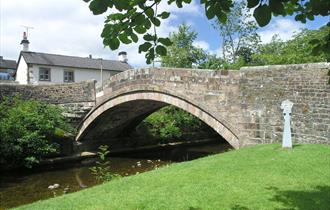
(7, 69)
(39, 68)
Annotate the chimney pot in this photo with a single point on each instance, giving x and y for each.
(25, 42)
(122, 57)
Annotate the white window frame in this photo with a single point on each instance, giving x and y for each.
(42, 73)
(66, 77)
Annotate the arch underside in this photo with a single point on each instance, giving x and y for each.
(122, 113)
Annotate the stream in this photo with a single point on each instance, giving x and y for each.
(23, 187)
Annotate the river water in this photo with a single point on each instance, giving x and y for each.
(18, 188)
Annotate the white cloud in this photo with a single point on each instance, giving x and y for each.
(193, 8)
(285, 28)
(68, 27)
(202, 44)
(218, 52)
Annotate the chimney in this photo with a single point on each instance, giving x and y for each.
(90, 56)
(25, 42)
(122, 57)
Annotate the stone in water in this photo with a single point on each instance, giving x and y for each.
(287, 109)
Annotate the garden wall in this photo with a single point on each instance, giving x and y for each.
(77, 98)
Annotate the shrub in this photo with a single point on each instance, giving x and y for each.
(26, 128)
(170, 122)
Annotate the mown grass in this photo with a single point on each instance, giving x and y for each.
(260, 177)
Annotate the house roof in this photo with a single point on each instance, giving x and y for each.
(73, 61)
(7, 64)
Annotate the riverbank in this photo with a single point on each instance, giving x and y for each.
(260, 177)
(59, 161)
(72, 175)
(124, 151)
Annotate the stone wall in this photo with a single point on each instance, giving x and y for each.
(52, 93)
(264, 88)
(77, 98)
(242, 106)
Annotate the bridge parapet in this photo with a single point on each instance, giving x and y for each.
(200, 85)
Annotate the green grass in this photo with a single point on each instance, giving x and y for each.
(260, 177)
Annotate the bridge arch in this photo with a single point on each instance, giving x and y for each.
(121, 108)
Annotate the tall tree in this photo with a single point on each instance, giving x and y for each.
(132, 17)
(182, 53)
(239, 34)
(297, 50)
(212, 62)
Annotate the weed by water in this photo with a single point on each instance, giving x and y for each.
(102, 171)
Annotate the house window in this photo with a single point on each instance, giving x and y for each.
(44, 74)
(68, 76)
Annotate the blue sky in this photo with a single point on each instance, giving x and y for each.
(68, 27)
(284, 26)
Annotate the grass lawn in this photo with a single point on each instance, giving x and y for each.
(260, 177)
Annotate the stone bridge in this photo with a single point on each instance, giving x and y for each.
(241, 106)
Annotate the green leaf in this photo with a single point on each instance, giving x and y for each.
(210, 13)
(155, 21)
(140, 29)
(301, 18)
(310, 16)
(114, 43)
(134, 37)
(120, 5)
(161, 50)
(276, 6)
(149, 12)
(262, 14)
(179, 3)
(149, 37)
(252, 3)
(164, 15)
(116, 16)
(222, 17)
(139, 19)
(98, 6)
(147, 24)
(124, 39)
(150, 55)
(165, 41)
(144, 47)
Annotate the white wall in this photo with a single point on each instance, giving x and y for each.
(21, 73)
(57, 74)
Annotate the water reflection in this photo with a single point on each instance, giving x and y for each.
(21, 187)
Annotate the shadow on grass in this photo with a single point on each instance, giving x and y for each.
(239, 207)
(317, 198)
(296, 145)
